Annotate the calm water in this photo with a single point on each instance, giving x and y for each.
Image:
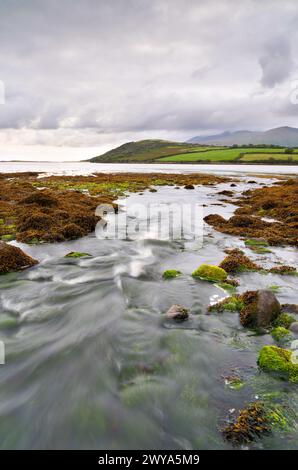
(86, 168)
(92, 362)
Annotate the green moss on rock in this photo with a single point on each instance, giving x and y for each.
(210, 273)
(233, 304)
(76, 254)
(171, 273)
(285, 320)
(280, 333)
(278, 360)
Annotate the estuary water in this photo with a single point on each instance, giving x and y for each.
(91, 361)
(87, 168)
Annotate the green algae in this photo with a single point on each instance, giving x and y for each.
(210, 273)
(76, 254)
(278, 360)
(284, 320)
(280, 334)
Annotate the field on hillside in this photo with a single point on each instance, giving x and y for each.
(227, 154)
(265, 157)
(157, 153)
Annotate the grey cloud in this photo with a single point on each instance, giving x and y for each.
(276, 62)
(80, 71)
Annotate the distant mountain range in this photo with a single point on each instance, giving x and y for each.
(281, 136)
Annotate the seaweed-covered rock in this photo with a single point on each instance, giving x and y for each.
(171, 273)
(72, 231)
(13, 258)
(211, 273)
(236, 261)
(279, 361)
(282, 270)
(260, 309)
(251, 423)
(177, 313)
(215, 220)
(41, 198)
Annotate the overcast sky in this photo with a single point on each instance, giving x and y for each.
(97, 73)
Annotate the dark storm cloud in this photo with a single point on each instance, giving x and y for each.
(80, 71)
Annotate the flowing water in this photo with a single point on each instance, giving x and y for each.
(91, 361)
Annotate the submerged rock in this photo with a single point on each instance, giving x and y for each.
(13, 258)
(260, 309)
(210, 273)
(278, 360)
(177, 313)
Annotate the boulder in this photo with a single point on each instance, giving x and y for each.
(260, 309)
(14, 259)
(177, 313)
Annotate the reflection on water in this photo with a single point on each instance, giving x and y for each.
(92, 363)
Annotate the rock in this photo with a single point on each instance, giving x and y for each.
(177, 313)
(14, 259)
(189, 186)
(294, 327)
(260, 309)
(233, 185)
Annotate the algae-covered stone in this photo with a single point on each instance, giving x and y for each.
(280, 334)
(76, 254)
(171, 273)
(278, 360)
(210, 273)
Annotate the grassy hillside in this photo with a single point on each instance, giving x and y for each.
(148, 150)
(160, 151)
